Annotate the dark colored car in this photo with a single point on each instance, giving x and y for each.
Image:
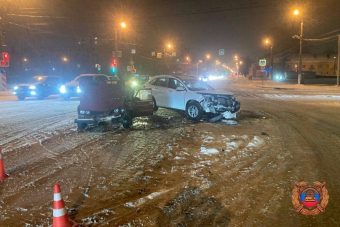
(103, 101)
(41, 87)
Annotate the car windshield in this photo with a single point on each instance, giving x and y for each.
(196, 85)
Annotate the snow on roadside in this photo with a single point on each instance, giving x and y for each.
(143, 200)
(299, 97)
(255, 142)
(209, 151)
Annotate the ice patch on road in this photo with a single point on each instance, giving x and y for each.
(209, 151)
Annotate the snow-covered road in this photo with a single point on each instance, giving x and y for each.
(167, 171)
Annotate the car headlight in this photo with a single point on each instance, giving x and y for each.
(62, 89)
(133, 83)
(16, 88)
(32, 87)
(278, 77)
(78, 90)
(33, 93)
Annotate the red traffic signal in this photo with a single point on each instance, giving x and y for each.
(114, 62)
(4, 60)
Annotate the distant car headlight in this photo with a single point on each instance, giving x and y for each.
(32, 87)
(78, 90)
(278, 77)
(16, 88)
(33, 93)
(62, 89)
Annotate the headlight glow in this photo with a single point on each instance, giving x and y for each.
(62, 89)
(278, 77)
(32, 87)
(78, 90)
(33, 93)
(16, 88)
(134, 83)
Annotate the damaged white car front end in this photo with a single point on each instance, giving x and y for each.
(220, 105)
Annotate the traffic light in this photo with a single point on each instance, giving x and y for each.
(4, 60)
(114, 66)
(98, 67)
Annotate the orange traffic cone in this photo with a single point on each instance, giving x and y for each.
(3, 174)
(60, 217)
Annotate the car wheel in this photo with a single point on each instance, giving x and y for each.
(126, 120)
(81, 126)
(155, 107)
(21, 97)
(194, 111)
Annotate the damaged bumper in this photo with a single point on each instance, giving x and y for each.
(217, 104)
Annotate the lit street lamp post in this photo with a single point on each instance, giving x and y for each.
(296, 12)
(338, 71)
(122, 25)
(269, 43)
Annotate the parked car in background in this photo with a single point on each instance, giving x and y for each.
(72, 89)
(40, 87)
(193, 96)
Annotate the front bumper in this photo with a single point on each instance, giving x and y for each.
(26, 93)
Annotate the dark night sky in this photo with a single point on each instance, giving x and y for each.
(197, 26)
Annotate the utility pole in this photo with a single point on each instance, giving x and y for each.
(338, 71)
(271, 63)
(300, 79)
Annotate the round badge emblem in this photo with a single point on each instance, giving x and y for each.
(310, 199)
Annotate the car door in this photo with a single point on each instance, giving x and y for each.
(176, 94)
(159, 91)
(142, 104)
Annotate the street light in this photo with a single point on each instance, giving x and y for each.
(123, 24)
(25, 60)
(65, 59)
(297, 13)
(187, 58)
(267, 42)
(208, 56)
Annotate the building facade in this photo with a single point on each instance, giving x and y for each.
(321, 65)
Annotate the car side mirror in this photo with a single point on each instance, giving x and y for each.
(180, 89)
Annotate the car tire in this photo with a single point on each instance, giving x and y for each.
(127, 120)
(21, 97)
(194, 111)
(81, 127)
(155, 107)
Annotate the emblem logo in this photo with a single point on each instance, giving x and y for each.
(310, 199)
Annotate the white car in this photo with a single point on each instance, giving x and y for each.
(193, 96)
